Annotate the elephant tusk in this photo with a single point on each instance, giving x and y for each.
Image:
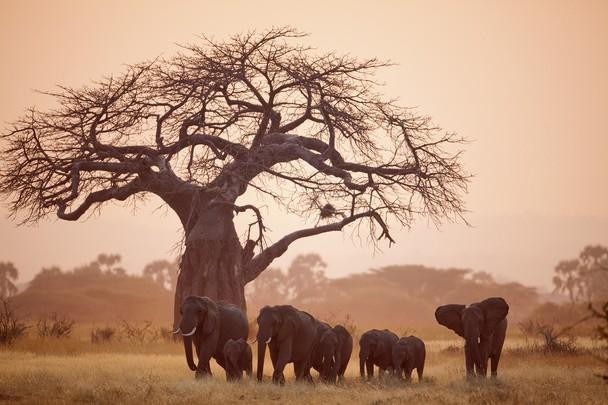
(191, 333)
(268, 341)
(254, 340)
(178, 330)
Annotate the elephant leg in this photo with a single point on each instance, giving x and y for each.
(484, 350)
(408, 374)
(339, 374)
(205, 352)
(420, 371)
(397, 371)
(469, 364)
(494, 364)
(229, 376)
(302, 371)
(369, 365)
(306, 366)
(246, 365)
(283, 358)
(497, 343)
(203, 369)
(221, 361)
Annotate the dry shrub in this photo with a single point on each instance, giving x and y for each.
(527, 328)
(101, 335)
(55, 326)
(452, 348)
(350, 326)
(347, 322)
(11, 327)
(166, 334)
(554, 340)
(140, 334)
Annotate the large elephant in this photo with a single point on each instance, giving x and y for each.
(376, 349)
(238, 358)
(409, 353)
(483, 325)
(290, 335)
(209, 325)
(336, 347)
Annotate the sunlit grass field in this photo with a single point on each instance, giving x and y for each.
(73, 370)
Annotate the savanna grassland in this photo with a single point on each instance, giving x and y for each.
(71, 370)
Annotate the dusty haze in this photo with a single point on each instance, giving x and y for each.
(525, 83)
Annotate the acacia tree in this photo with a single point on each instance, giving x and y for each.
(8, 277)
(258, 112)
(584, 278)
(163, 273)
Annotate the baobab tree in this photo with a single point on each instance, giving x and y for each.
(258, 112)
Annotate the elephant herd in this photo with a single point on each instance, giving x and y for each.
(219, 330)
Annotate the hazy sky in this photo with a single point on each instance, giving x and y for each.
(525, 81)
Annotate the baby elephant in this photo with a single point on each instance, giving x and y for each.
(409, 354)
(336, 347)
(237, 355)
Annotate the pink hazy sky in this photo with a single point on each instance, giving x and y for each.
(525, 82)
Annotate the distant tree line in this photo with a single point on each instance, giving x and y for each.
(8, 277)
(403, 294)
(101, 290)
(400, 296)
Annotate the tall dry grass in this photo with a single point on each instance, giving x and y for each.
(72, 370)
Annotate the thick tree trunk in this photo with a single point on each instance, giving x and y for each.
(212, 262)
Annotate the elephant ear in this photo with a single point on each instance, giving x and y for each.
(380, 346)
(494, 309)
(450, 316)
(288, 328)
(340, 341)
(211, 320)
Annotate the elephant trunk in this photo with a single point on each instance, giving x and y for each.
(326, 366)
(336, 367)
(187, 327)
(396, 367)
(232, 368)
(362, 358)
(188, 350)
(474, 355)
(261, 356)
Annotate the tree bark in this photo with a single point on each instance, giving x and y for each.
(212, 261)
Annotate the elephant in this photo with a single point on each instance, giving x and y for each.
(483, 325)
(209, 325)
(290, 335)
(336, 347)
(376, 348)
(316, 361)
(238, 358)
(409, 353)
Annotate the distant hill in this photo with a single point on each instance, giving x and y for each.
(400, 297)
(91, 295)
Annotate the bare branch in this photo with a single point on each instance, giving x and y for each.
(118, 193)
(218, 119)
(261, 261)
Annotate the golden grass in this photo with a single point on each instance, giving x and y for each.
(104, 376)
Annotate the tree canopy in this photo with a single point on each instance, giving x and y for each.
(585, 278)
(307, 130)
(400, 296)
(8, 277)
